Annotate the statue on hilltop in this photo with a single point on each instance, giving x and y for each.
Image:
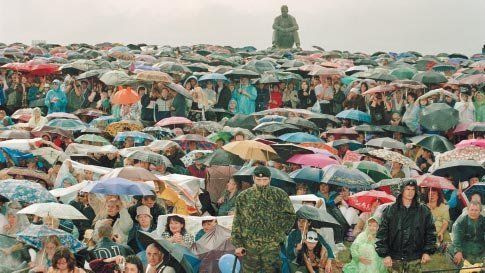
(285, 30)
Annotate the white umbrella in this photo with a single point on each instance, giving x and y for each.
(56, 210)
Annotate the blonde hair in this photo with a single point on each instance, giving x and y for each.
(199, 96)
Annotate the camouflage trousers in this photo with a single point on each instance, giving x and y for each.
(262, 258)
(399, 266)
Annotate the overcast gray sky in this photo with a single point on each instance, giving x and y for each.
(428, 26)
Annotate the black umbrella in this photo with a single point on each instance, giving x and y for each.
(318, 217)
(242, 121)
(397, 129)
(241, 73)
(434, 143)
(302, 123)
(287, 150)
(460, 170)
(274, 127)
(368, 128)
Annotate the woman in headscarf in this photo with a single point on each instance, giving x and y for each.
(479, 104)
(37, 119)
(364, 255)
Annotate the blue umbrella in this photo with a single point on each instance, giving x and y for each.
(118, 186)
(345, 177)
(213, 77)
(67, 124)
(138, 137)
(106, 119)
(34, 235)
(308, 175)
(354, 115)
(25, 191)
(300, 138)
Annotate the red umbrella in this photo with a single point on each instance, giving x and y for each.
(125, 96)
(363, 200)
(314, 160)
(432, 181)
(473, 79)
(471, 142)
(43, 69)
(380, 89)
(22, 67)
(173, 121)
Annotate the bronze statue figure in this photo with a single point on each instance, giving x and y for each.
(285, 30)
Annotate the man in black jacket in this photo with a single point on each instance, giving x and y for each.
(406, 236)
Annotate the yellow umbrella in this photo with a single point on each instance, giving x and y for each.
(251, 150)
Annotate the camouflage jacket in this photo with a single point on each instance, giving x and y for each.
(262, 215)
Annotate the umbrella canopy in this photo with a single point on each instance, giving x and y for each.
(476, 188)
(115, 77)
(368, 128)
(189, 158)
(25, 191)
(178, 257)
(242, 121)
(173, 121)
(473, 79)
(172, 67)
(122, 126)
(393, 156)
(287, 150)
(67, 124)
(154, 76)
(429, 77)
(241, 73)
(397, 129)
(213, 77)
(138, 137)
(414, 85)
(353, 144)
(403, 73)
(150, 157)
(345, 177)
(49, 154)
(386, 142)
(300, 137)
(118, 186)
(159, 132)
(318, 217)
(364, 200)
(273, 127)
(34, 235)
(251, 150)
(58, 115)
(354, 115)
(301, 123)
(212, 246)
(278, 178)
(61, 211)
(125, 96)
(374, 170)
(131, 173)
(307, 175)
(434, 143)
(50, 130)
(221, 157)
(313, 160)
(202, 143)
(431, 181)
(179, 89)
(380, 89)
(15, 134)
(460, 170)
(438, 117)
(92, 139)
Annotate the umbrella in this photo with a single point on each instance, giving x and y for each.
(471, 142)
(386, 142)
(178, 257)
(115, 77)
(279, 178)
(225, 136)
(380, 89)
(189, 158)
(202, 143)
(368, 128)
(210, 126)
(212, 246)
(213, 77)
(15, 134)
(302, 123)
(34, 235)
(242, 121)
(274, 126)
(354, 115)
(154, 76)
(308, 175)
(374, 170)
(58, 115)
(159, 132)
(123, 126)
(300, 137)
(460, 170)
(338, 132)
(125, 96)
(131, 173)
(430, 77)
(269, 118)
(353, 144)
(438, 117)
(251, 150)
(221, 157)
(476, 188)
(476, 127)
(393, 183)
(50, 130)
(67, 124)
(61, 211)
(172, 67)
(397, 129)
(22, 114)
(326, 72)
(403, 73)
(49, 154)
(394, 157)
(287, 150)
(363, 200)
(383, 76)
(241, 73)
(444, 68)
(431, 181)
(319, 218)
(313, 160)
(138, 137)
(259, 66)
(476, 79)
(434, 143)
(150, 157)
(93, 139)
(345, 177)
(319, 147)
(25, 191)
(179, 89)
(173, 121)
(118, 186)
(414, 85)
(92, 73)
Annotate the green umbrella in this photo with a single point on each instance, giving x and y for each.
(241, 73)
(374, 170)
(403, 73)
(434, 143)
(226, 136)
(430, 77)
(383, 76)
(171, 67)
(92, 138)
(242, 121)
(221, 157)
(369, 128)
(438, 117)
(115, 77)
(319, 218)
(444, 68)
(258, 66)
(397, 129)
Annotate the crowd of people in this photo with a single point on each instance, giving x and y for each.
(165, 159)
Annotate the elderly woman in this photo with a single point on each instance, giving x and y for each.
(144, 222)
(176, 233)
(37, 119)
(43, 259)
(116, 216)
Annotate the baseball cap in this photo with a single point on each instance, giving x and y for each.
(312, 237)
(262, 171)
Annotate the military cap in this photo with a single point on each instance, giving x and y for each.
(262, 171)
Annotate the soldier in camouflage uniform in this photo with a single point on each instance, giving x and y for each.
(263, 216)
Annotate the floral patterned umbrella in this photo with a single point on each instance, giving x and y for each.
(393, 156)
(34, 235)
(364, 200)
(25, 191)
